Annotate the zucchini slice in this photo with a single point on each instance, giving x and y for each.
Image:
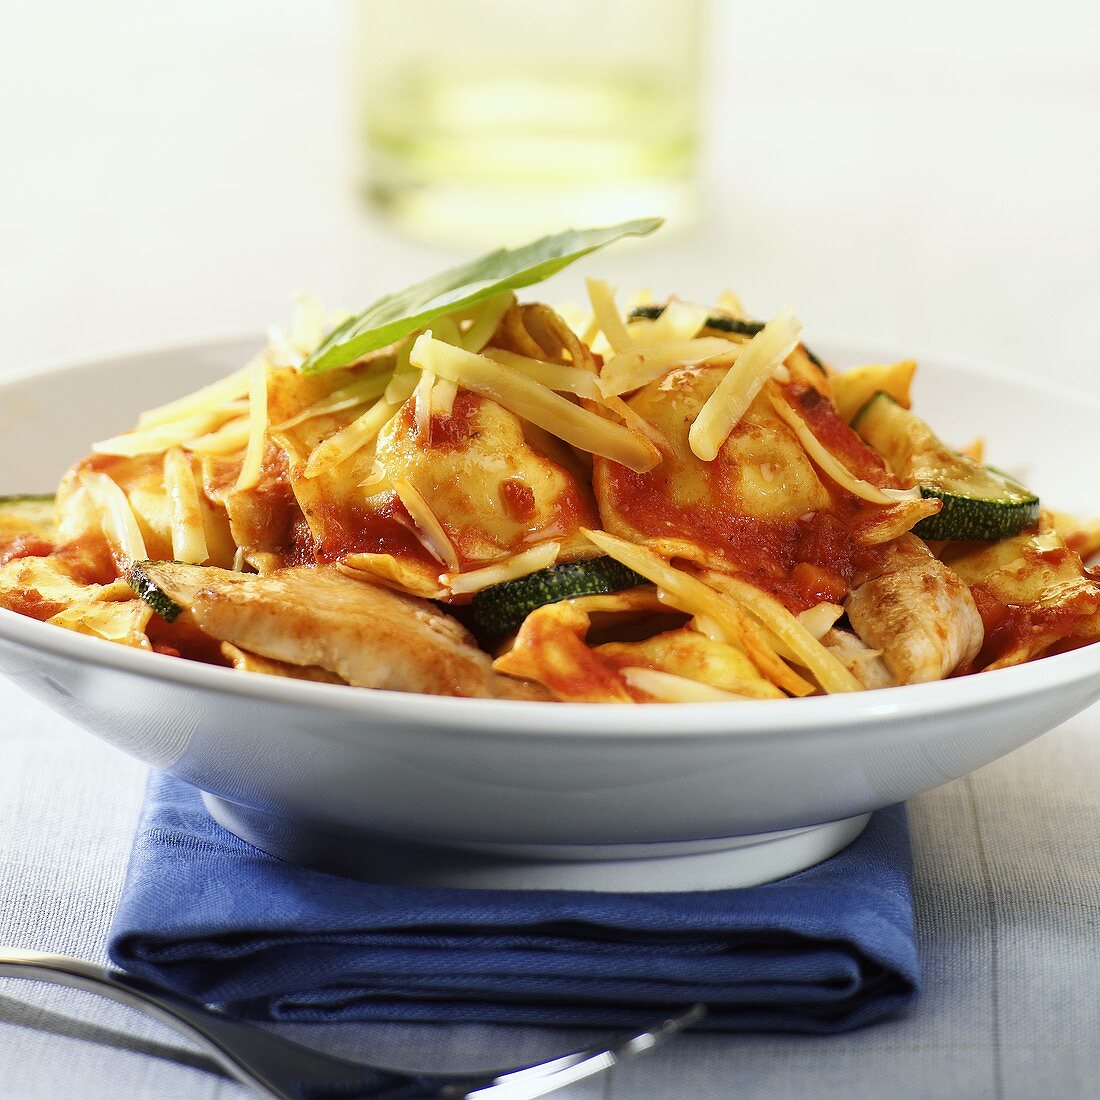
(496, 611)
(979, 503)
(40, 510)
(169, 587)
(722, 323)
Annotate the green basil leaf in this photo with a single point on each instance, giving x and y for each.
(397, 315)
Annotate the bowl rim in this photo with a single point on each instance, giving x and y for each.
(501, 717)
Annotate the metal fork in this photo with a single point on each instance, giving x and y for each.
(280, 1069)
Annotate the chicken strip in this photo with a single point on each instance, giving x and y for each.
(916, 612)
(864, 663)
(321, 618)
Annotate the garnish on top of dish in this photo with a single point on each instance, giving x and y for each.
(457, 493)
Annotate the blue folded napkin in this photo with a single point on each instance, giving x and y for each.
(205, 913)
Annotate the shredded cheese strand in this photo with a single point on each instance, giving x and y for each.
(693, 597)
(678, 321)
(518, 565)
(117, 519)
(257, 425)
(231, 388)
(361, 431)
(444, 393)
(788, 629)
(228, 439)
(423, 399)
(428, 527)
(666, 687)
(742, 382)
(540, 405)
(347, 397)
(481, 331)
(819, 619)
(830, 465)
(161, 437)
(554, 376)
(630, 370)
(184, 509)
(602, 296)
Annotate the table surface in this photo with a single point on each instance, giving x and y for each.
(177, 171)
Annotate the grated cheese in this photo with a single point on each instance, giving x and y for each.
(690, 595)
(630, 370)
(519, 565)
(678, 321)
(792, 633)
(231, 388)
(227, 440)
(742, 382)
(157, 439)
(730, 303)
(257, 425)
(536, 403)
(666, 687)
(117, 519)
(602, 296)
(347, 397)
(428, 527)
(185, 517)
(554, 376)
(819, 619)
(481, 331)
(830, 465)
(356, 435)
(638, 423)
(424, 404)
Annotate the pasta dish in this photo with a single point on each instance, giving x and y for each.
(461, 493)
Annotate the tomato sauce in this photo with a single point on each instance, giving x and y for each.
(23, 546)
(1009, 626)
(519, 499)
(767, 552)
(449, 433)
(835, 435)
(350, 529)
(29, 602)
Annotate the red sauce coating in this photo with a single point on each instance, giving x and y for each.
(89, 561)
(385, 530)
(448, 433)
(519, 499)
(23, 546)
(764, 551)
(835, 435)
(1009, 625)
(30, 603)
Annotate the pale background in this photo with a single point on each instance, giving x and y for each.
(922, 175)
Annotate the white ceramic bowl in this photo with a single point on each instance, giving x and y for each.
(476, 792)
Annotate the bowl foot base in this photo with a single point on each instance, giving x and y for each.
(715, 864)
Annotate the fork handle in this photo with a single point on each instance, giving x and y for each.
(244, 1052)
(280, 1069)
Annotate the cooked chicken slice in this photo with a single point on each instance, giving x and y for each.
(244, 661)
(319, 617)
(916, 612)
(864, 663)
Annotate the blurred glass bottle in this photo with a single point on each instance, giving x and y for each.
(484, 121)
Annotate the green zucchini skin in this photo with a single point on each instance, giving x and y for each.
(148, 590)
(495, 612)
(721, 323)
(979, 503)
(7, 503)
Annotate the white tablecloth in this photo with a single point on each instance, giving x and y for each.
(927, 177)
